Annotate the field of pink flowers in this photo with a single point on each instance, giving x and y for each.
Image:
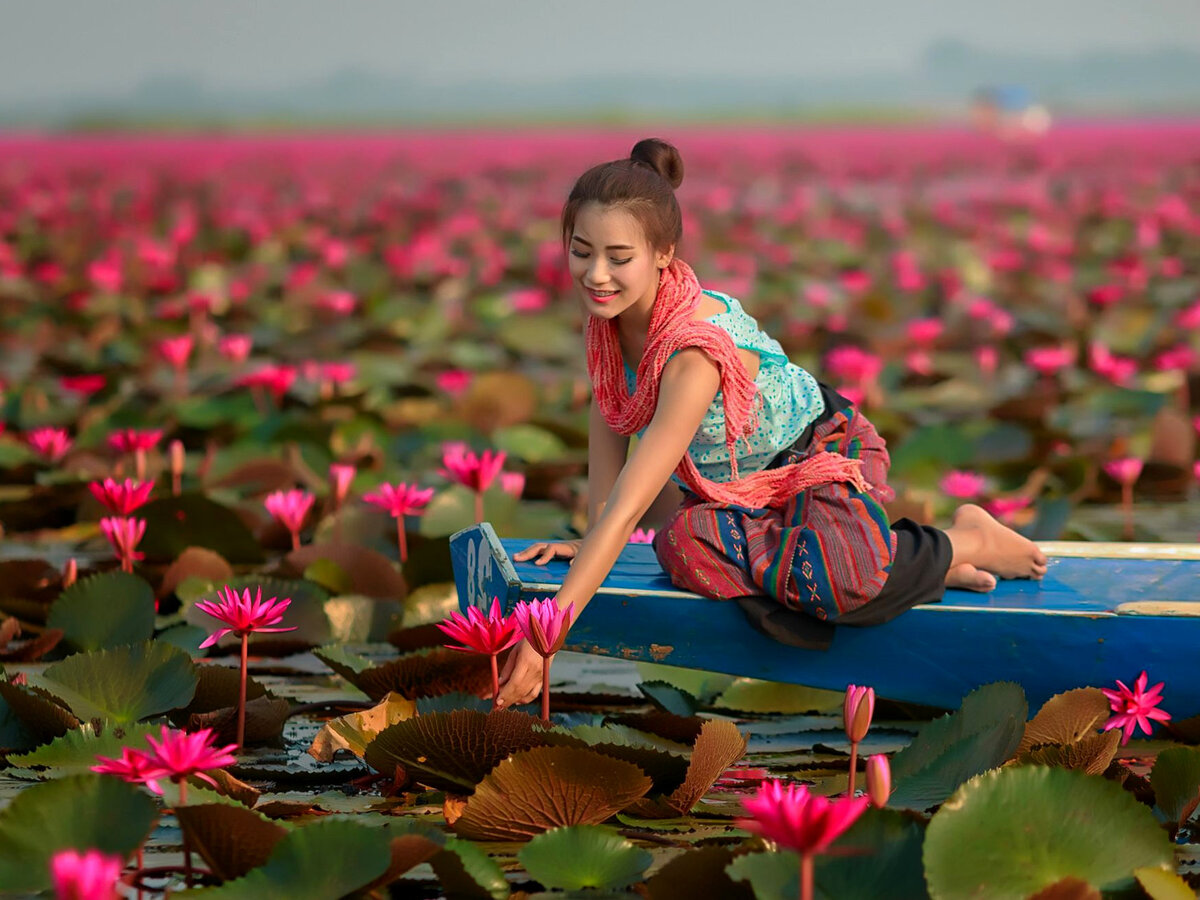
(239, 370)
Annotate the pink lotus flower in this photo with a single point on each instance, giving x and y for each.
(1135, 708)
(853, 364)
(1006, 508)
(925, 331)
(987, 358)
(242, 615)
(275, 379)
(1181, 358)
(491, 634)
(855, 281)
(545, 627)
(475, 472)
(879, 780)
(797, 820)
(105, 275)
(50, 443)
(640, 536)
(121, 498)
(235, 347)
(1048, 360)
(528, 300)
(82, 384)
(1124, 470)
(129, 440)
(290, 508)
(453, 381)
(91, 875)
(133, 765)
(400, 500)
(124, 534)
(178, 755)
(962, 484)
(176, 350)
(339, 303)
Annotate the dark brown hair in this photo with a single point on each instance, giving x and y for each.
(644, 185)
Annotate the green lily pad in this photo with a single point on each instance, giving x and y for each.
(465, 870)
(104, 611)
(124, 684)
(704, 686)
(984, 732)
(698, 873)
(883, 859)
(81, 812)
(76, 751)
(329, 858)
(583, 856)
(754, 696)
(306, 611)
(669, 698)
(192, 520)
(1176, 781)
(231, 839)
(773, 876)
(1009, 833)
(529, 443)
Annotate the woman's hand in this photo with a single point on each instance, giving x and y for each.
(521, 680)
(549, 550)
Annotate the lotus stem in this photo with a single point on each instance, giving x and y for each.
(127, 564)
(241, 720)
(141, 862)
(545, 689)
(295, 540)
(495, 682)
(806, 876)
(1127, 509)
(402, 541)
(187, 849)
(853, 770)
(139, 463)
(478, 507)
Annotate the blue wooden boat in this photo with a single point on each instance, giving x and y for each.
(1102, 612)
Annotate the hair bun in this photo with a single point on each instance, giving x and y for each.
(662, 157)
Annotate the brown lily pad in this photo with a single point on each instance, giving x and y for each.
(1065, 719)
(371, 573)
(258, 476)
(423, 674)
(234, 788)
(30, 579)
(38, 710)
(217, 688)
(418, 637)
(232, 840)
(408, 851)
(719, 746)
(34, 648)
(699, 873)
(195, 562)
(1092, 755)
(355, 732)
(548, 787)
(683, 729)
(454, 751)
(265, 718)
(1068, 889)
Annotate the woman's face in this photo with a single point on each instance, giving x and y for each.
(612, 264)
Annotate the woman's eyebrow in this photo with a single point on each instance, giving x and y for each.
(609, 247)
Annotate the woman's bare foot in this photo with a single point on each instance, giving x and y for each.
(981, 541)
(968, 578)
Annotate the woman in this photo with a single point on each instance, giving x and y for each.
(783, 480)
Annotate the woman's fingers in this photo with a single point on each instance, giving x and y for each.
(531, 550)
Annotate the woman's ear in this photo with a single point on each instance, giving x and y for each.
(664, 258)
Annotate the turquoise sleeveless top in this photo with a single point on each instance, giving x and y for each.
(788, 401)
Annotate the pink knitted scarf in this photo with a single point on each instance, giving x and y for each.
(673, 327)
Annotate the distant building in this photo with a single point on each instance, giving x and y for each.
(1009, 111)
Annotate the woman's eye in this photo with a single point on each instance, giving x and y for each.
(621, 262)
(580, 255)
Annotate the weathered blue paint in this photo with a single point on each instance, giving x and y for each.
(1049, 636)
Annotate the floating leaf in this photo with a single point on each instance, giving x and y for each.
(719, 746)
(414, 675)
(454, 751)
(773, 876)
(123, 684)
(529, 443)
(669, 698)
(1067, 889)
(1066, 718)
(1012, 832)
(754, 696)
(547, 787)
(76, 751)
(329, 858)
(355, 731)
(43, 714)
(197, 563)
(879, 856)
(583, 856)
(81, 812)
(698, 873)
(232, 840)
(265, 718)
(1176, 781)
(103, 611)
(981, 735)
(1091, 755)
(354, 569)
(1163, 884)
(173, 524)
(465, 870)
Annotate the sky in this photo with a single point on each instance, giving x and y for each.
(51, 49)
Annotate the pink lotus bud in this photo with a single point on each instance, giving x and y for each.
(925, 331)
(1124, 470)
(176, 350)
(1006, 508)
(1048, 360)
(82, 384)
(642, 537)
(453, 381)
(857, 710)
(512, 483)
(879, 780)
(235, 347)
(340, 476)
(987, 358)
(91, 875)
(528, 300)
